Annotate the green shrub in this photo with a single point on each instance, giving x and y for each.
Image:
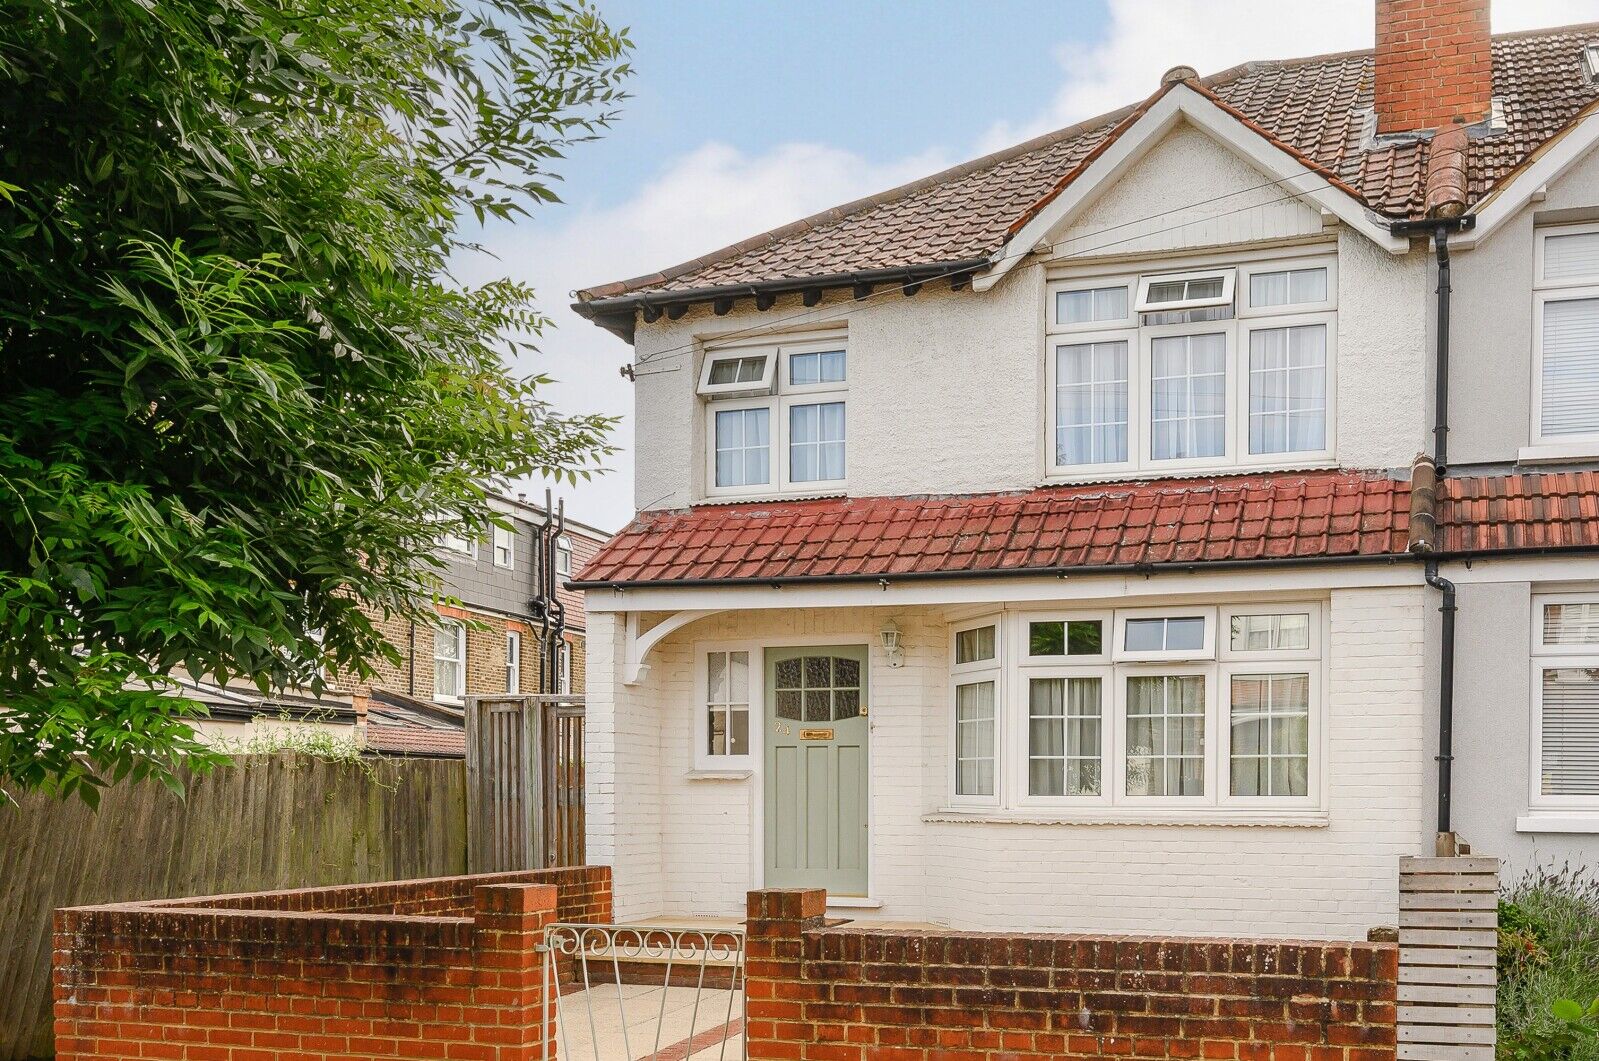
(1549, 967)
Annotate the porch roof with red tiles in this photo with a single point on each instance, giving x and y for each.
(1283, 516)
(1546, 511)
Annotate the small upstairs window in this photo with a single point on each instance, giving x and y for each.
(563, 556)
(504, 547)
(779, 424)
(1185, 291)
(1566, 342)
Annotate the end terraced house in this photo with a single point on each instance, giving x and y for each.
(1044, 544)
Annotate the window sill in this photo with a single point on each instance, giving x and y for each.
(1550, 452)
(1118, 475)
(719, 775)
(766, 499)
(853, 902)
(1559, 822)
(1313, 819)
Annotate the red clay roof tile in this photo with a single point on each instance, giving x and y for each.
(1548, 510)
(1195, 520)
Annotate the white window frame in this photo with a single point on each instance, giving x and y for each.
(1206, 652)
(781, 397)
(702, 759)
(563, 548)
(1138, 337)
(458, 543)
(513, 661)
(1228, 275)
(504, 543)
(461, 641)
(563, 674)
(1214, 660)
(1555, 657)
(974, 673)
(1566, 289)
(764, 385)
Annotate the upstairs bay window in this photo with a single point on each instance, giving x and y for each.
(775, 418)
(1565, 383)
(1181, 372)
(1165, 710)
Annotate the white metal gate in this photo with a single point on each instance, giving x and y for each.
(645, 993)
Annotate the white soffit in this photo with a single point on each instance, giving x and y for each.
(1180, 103)
(1543, 167)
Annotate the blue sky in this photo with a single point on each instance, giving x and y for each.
(746, 115)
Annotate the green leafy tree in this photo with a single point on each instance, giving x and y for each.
(239, 389)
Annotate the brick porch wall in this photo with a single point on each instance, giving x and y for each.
(847, 993)
(432, 968)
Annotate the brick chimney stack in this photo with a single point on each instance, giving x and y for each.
(1434, 64)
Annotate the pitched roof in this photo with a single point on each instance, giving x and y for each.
(1245, 518)
(1548, 510)
(1315, 107)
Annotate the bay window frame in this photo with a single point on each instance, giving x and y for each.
(1139, 337)
(972, 673)
(1013, 671)
(1543, 445)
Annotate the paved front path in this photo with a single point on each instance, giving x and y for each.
(605, 1024)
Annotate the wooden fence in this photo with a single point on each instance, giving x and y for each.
(271, 822)
(1448, 935)
(524, 769)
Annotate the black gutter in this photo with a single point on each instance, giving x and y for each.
(616, 314)
(888, 577)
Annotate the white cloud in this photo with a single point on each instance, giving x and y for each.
(708, 198)
(1145, 38)
(715, 194)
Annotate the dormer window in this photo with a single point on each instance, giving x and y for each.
(775, 418)
(1590, 61)
(1169, 373)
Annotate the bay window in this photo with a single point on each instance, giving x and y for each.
(775, 418)
(1197, 708)
(1565, 384)
(1181, 372)
(1565, 699)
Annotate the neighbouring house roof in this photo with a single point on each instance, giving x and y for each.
(397, 724)
(1316, 108)
(1507, 513)
(1304, 516)
(385, 739)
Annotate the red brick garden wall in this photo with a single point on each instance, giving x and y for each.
(853, 993)
(443, 968)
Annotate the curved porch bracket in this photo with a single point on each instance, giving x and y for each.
(637, 647)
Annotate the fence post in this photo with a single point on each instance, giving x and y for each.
(1448, 942)
(774, 953)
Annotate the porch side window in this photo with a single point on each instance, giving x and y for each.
(1566, 348)
(727, 704)
(1566, 703)
(776, 418)
(449, 661)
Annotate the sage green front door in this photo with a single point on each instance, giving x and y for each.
(816, 768)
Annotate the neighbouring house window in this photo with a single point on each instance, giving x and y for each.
(1225, 367)
(727, 704)
(1161, 708)
(504, 547)
(776, 418)
(1566, 343)
(563, 556)
(513, 661)
(1565, 744)
(976, 702)
(565, 672)
(457, 543)
(449, 661)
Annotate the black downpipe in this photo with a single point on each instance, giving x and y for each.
(1446, 695)
(1440, 427)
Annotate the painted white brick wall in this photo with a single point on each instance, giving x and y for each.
(687, 846)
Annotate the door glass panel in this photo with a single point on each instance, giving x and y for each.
(819, 688)
(788, 704)
(846, 672)
(847, 703)
(789, 673)
(818, 705)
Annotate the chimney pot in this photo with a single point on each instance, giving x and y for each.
(1434, 64)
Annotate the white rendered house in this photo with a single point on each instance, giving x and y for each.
(1035, 545)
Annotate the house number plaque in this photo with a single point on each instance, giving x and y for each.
(816, 734)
